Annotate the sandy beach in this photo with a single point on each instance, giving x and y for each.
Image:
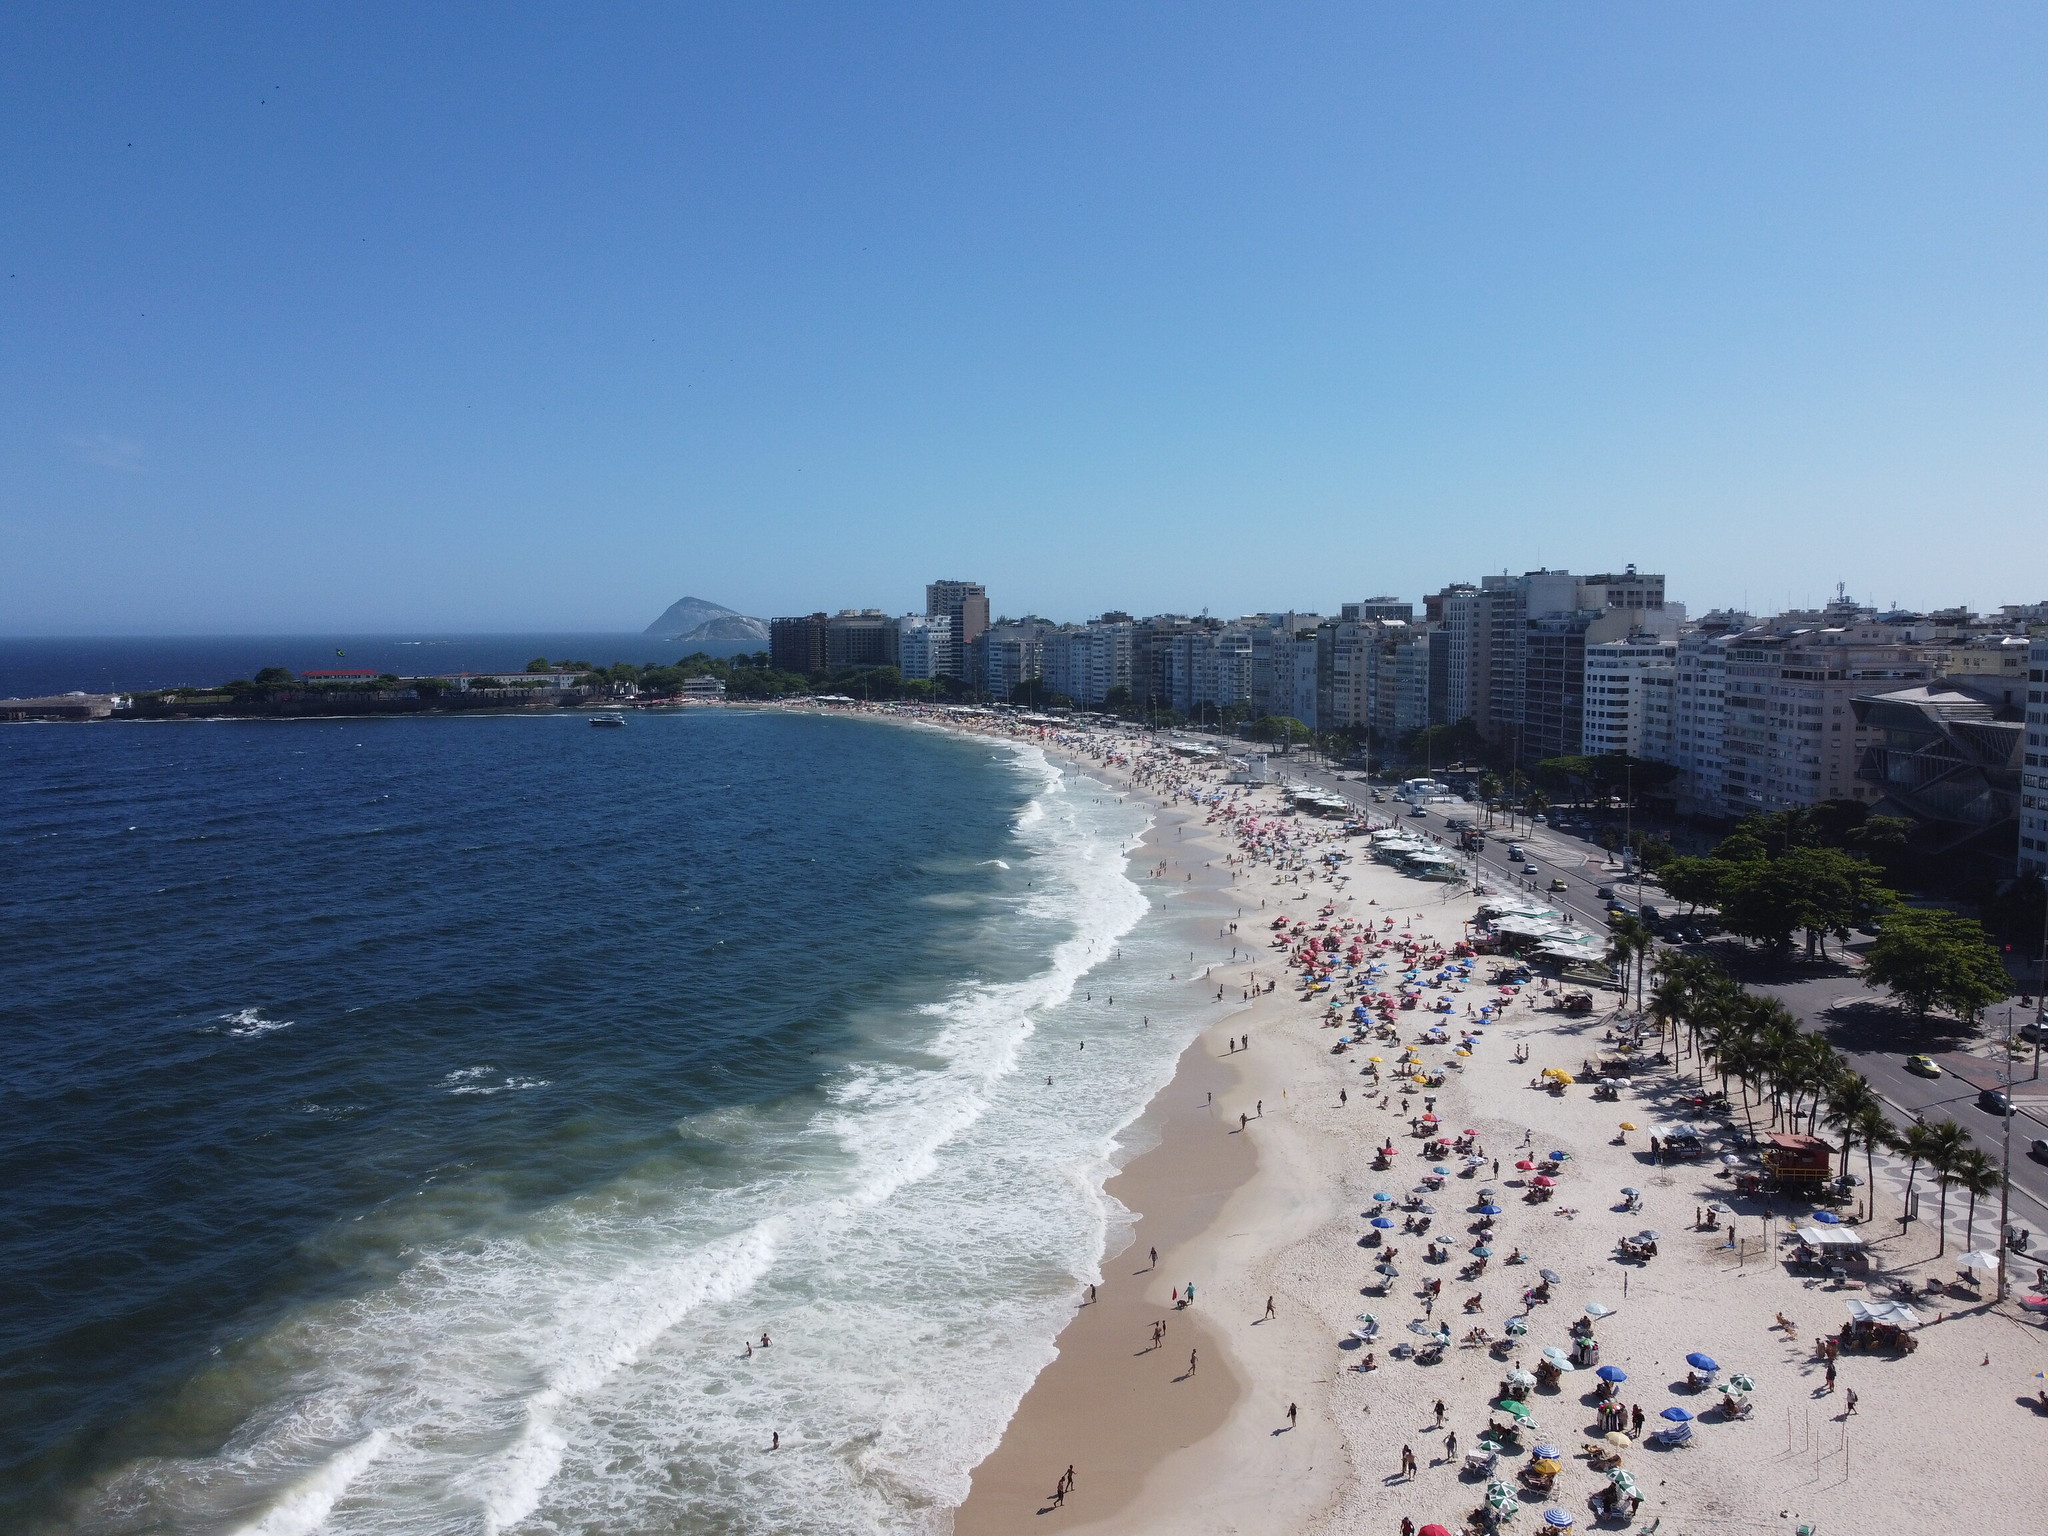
(1280, 1209)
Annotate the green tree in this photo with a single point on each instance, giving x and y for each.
(538, 664)
(1694, 881)
(1284, 730)
(1821, 891)
(274, 677)
(1849, 1101)
(1928, 959)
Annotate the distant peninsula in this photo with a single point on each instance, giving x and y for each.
(691, 619)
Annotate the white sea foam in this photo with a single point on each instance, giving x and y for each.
(246, 1023)
(912, 1246)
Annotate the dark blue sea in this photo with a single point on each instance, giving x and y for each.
(408, 1121)
(42, 667)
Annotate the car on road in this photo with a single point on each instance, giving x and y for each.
(1516, 854)
(1418, 811)
(1923, 1066)
(1605, 893)
(2035, 1030)
(2038, 1150)
(1993, 1101)
(1531, 869)
(1559, 885)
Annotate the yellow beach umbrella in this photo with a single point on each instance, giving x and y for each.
(1628, 1125)
(1461, 1051)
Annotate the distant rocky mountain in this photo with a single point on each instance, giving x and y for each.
(691, 618)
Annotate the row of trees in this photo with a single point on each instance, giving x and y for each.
(1804, 1083)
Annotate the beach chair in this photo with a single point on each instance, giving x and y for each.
(1482, 1462)
(1675, 1436)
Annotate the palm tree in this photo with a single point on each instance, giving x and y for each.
(1849, 1100)
(1874, 1129)
(1949, 1142)
(1628, 941)
(1919, 1146)
(1975, 1174)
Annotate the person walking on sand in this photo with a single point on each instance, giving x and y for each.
(1636, 1418)
(1194, 1359)
(1067, 1478)
(1291, 1411)
(775, 1441)
(1851, 1394)
(1831, 1378)
(1269, 1307)
(1155, 1258)
(1439, 1413)
(1407, 1461)
(1451, 1446)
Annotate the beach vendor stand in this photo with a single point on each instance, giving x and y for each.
(1875, 1325)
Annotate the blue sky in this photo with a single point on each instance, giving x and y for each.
(502, 317)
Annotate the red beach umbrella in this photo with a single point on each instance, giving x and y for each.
(1525, 1165)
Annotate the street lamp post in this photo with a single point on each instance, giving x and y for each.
(2005, 1172)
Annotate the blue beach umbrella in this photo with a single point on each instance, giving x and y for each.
(1482, 1252)
(1559, 1157)
(1827, 1217)
(1383, 1197)
(1612, 1373)
(1558, 1519)
(1700, 1362)
(1444, 1171)
(1677, 1415)
(1546, 1452)
(1381, 1222)
(1489, 1209)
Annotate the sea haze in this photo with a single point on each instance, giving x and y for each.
(40, 667)
(410, 1119)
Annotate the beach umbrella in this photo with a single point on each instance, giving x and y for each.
(1520, 1325)
(1628, 1125)
(1556, 1353)
(1624, 1484)
(1559, 1519)
(1470, 1132)
(1720, 1207)
(1482, 1251)
(1486, 1193)
(1551, 1276)
(1827, 1218)
(1648, 1236)
(1432, 1526)
(1545, 1466)
(1730, 1159)
(1502, 1500)
(1598, 1309)
(1426, 1208)
(1560, 1157)
(1630, 1190)
(1979, 1259)
(1677, 1415)
(1544, 1181)
(1700, 1362)
(1473, 1160)
(1515, 1408)
(1546, 1452)
(1741, 1382)
(1489, 1209)
(1445, 1172)
(1611, 1373)
(1521, 1378)
(1388, 1270)
(1525, 1165)
(1617, 1439)
(1382, 1223)
(1383, 1197)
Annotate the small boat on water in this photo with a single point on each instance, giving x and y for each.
(608, 719)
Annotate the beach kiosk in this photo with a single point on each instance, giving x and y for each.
(1798, 1163)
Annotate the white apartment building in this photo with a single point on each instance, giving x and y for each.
(1699, 686)
(2034, 766)
(1789, 736)
(924, 646)
(1085, 662)
(1209, 670)
(1628, 697)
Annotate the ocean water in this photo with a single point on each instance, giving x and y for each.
(409, 1121)
(36, 667)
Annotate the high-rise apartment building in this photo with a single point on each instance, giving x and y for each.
(1086, 661)
(965, 605)
(1789, 732)
(797, 644)
(2034, 766)
(924, 646)
(860, 637)
(1628, 697)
